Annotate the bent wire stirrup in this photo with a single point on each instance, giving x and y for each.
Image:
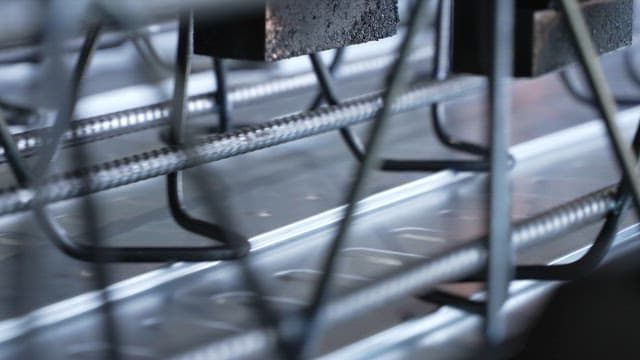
(235, 246)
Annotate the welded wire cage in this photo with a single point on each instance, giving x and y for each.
(417, 75)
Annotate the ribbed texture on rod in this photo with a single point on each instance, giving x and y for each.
(137, 119)
(471, 258)
(450, 266)
(165, 160)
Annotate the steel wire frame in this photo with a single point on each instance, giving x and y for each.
(500, 267)
(177, 131)
(475, 255)
(500, 72)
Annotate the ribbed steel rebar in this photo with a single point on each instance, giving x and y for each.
(165, 160)
(471, 258)
(145, 117)
(450, 266)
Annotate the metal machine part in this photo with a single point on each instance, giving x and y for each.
(282, 29)
(343, 205)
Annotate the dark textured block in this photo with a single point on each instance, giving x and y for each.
(542, 40)
(287, 28)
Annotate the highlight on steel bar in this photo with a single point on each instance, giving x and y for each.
(319, 179)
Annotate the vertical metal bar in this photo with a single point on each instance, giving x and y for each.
(333, 68)
(500, 267)
(222, 98)
(603, 96)
(183, 69)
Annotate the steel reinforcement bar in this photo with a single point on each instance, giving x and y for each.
(150, 116)
(165, 160)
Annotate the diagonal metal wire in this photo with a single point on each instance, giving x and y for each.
(395, 86)
(440, 73)
(30, 179)
(602, 94)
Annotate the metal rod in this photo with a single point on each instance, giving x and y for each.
(138, 119)
(149, 53)
(352, 141)
(575, 91)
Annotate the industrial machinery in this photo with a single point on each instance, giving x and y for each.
(332, 179)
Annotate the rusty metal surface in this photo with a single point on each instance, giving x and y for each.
(288, 28)
(543, 43)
